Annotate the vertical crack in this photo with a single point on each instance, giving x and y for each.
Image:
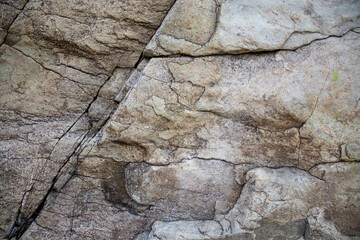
(316, 102)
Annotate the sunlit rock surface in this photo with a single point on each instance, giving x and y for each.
(108, 132)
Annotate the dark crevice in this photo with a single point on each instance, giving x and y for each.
(139, 60)
(21, 225)
(254, 52)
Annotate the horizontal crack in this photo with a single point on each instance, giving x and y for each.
(53, 71)
(242, 52)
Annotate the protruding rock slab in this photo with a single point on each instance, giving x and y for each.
(341, 195)
(234, 26)
(273, 197)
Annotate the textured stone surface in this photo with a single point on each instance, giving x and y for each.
(97, 142)
(184, 107)
(34, 100)
(9, 10)
(235, 26)
(185, 230)
(273, 197)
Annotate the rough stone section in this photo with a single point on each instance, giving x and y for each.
(105, 102)
(81, 211)
(334, 122)
(92, 36)
(58, 86)
(34, 100)
(250, 26)
(9, 10)
(8, 15)
(185, 230)
(320, 227)
(189, 22)
(273, 202)
(200, 142)
(273, 197)
(178, 146)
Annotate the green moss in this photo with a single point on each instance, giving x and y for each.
(337, 117)
(336, 77)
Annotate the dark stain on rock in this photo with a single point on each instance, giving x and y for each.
(114, 187)
(274, 230)
(346, 219)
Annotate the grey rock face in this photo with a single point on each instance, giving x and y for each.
(98, 142)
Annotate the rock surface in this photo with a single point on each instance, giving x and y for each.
(98, 142)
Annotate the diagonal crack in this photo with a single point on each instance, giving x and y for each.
(7, 30)
(20, 225)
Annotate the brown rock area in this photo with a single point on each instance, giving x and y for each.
(108, 132)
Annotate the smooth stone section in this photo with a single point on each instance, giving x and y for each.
(193, 189)
(196, 230)
(250, 26)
